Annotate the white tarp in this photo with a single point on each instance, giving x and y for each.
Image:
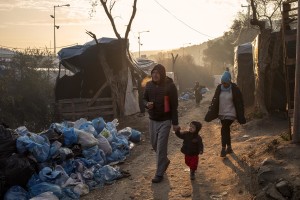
(131, 99)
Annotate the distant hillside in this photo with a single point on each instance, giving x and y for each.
(196, 51)
(193, 50)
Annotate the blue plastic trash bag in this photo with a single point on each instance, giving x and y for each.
(45, 187)
(107, 174)
(87, 163)
(93, 184)
(69, 193)
(88, 127)
(45, 196)
(68, 166)
(81, 189)
(79, 122)
(112, 128)
(49, 175)
(94, 153)
(65, 153)
(35, 179)
(103, 144)
(58, 127)
(22, 130)
(135, 136)
(16, 193)
(39, 146)
(99, 124)
(86, 139)
(125, 132)
(204, 90)
(115, 156)
(55, 146)
(63, 175)
(106, 133)
(70, 136)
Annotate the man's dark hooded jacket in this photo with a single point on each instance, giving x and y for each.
(157, 93)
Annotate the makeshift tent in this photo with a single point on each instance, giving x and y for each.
(270, 90)
(243, 72)
(88, 92)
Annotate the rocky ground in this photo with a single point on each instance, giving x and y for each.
(264, 165)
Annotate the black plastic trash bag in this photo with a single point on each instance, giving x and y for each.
(53, 135)
(3, 188)
(18, 170)
(7, 144)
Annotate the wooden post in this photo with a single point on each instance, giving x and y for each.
(296, 132)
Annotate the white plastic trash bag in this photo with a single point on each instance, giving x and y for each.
(45, 195)
(86, 139)
(104, 144)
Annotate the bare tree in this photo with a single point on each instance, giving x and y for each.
(265, 10)
(118, 81)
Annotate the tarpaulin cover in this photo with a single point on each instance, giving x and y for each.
(243, 72)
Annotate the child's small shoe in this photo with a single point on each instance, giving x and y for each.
(223, 152)
(192, 175)
(229, 150)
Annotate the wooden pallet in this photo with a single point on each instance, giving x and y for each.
(89, 108)
(73, 109)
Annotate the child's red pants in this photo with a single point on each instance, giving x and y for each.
(192, 161)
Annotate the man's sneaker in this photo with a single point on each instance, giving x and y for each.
(229, 150)
(223, 152)
(192, 175)
(157, 179)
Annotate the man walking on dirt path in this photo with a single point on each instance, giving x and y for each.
(161, 99)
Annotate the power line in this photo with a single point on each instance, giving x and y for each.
(181, 20)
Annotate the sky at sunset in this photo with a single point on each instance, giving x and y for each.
(171, 23)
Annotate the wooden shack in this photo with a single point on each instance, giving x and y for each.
(88, 93)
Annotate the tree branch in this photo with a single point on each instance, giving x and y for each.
(108, 13)
(254, 21)
(131, 19)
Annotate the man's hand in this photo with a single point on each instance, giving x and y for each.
(150, 105)
(176, 128)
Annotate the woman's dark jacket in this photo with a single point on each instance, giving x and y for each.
(192, 143)
(213, 110)
(157, 93)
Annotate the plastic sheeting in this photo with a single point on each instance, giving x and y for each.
(270, 87)
(243, 72)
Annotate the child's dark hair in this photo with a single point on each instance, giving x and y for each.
(198, 125)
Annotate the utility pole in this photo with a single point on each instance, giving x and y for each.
(140, 44)
(296, 127)
(55, 26)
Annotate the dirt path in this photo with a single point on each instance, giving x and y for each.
(216, 178)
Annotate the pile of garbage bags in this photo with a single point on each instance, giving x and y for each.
(190, 94)
(64, 162)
